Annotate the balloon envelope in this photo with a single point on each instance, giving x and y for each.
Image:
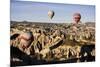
(77, 17)
(26, 35)
(50, 14)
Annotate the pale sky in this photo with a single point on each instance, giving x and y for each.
(38, 11)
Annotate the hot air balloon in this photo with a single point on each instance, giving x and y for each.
(51, 14)
(76, 17)
(25, 39)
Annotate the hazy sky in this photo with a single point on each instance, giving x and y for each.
(37, 11)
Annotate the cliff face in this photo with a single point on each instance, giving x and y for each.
(53, 43)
